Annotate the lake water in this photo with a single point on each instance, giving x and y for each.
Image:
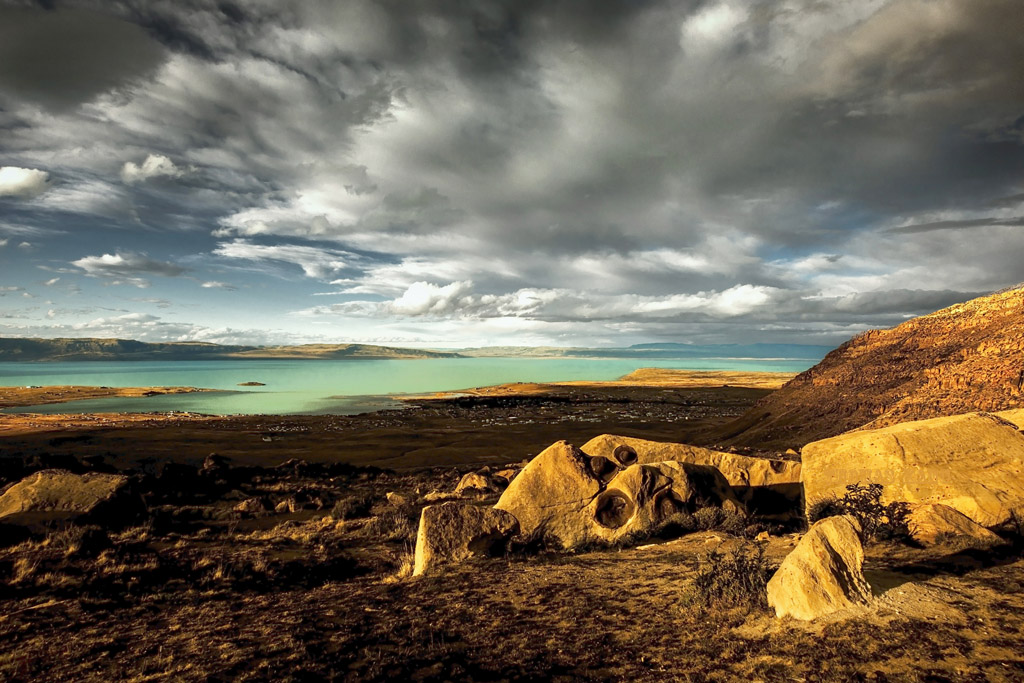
(327, 386)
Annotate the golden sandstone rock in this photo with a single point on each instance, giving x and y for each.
(974, 463)
(574, 499)
(823, 573)
(454, 532)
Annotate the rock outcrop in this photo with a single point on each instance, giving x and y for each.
(823, 573)
(573, 499)
(766, 486)
(973, 463)
(965, 358)
(454, 532)
(931, 524)
(59, 495)
(477, 483)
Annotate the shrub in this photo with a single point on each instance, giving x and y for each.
(352, 507)
(708, 518)
(878, 521)
(86, 541)
(733, 523)
(679, 524)
(392, 525)
(737, 579)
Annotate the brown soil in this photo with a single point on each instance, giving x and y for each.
(467, 430)
(278, 598)
(961, 359)
(306, 585)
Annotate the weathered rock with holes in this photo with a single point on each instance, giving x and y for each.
(454, 532)
(823, 574)
(766, 485)
(58, 496)
(974, 463)
(931, 524)
(573, 499)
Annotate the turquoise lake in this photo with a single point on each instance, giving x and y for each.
(314, 387)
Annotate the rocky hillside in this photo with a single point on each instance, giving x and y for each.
(127, 349)
(964, 358)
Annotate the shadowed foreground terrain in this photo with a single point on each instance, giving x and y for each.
(306, 597)
(284, 558)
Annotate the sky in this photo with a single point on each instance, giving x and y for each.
(454, 174)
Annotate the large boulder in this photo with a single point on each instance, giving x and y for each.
(552, 492)
(931, 524)
(59, 496)
(765, 485)
(823, 573)
(455, 532)
(974, 463)
(573, 499)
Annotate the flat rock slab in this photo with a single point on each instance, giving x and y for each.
(823, 574)
(62, 495)
(933, 523)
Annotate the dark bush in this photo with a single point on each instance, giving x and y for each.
(737, 579)
(393, 525)
(878, 521)
(353, 507)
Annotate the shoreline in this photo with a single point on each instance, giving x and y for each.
(642, 377)
(19, 397)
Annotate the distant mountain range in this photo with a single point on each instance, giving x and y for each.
(91, 349)
(127, 349)
(660, 350)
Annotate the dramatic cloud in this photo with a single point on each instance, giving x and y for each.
(555, 172)
(22, 182)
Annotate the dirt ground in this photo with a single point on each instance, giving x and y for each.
(466, 430)
(250, 569)
(603, 615)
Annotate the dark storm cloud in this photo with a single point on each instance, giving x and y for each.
(61, 59)
(783, 164)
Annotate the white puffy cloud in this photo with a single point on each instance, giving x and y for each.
(24, 183)
(456, 299)
(215, 284)
(155, 166)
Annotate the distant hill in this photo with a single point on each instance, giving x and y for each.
(126, 349)
(964, 358)
(660, 350)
